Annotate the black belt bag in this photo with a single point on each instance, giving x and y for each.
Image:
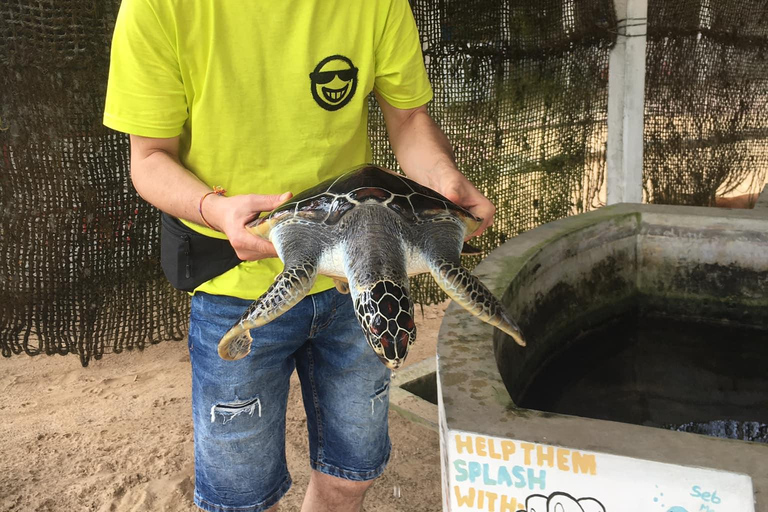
(188, 258)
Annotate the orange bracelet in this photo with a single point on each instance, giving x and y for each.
(216, 190)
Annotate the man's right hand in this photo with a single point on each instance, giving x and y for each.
(230, 215)
(159, 178)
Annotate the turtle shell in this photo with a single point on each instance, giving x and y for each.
(329, 201)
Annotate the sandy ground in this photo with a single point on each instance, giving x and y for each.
(117, 436)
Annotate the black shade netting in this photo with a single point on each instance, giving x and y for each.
(520, 90)
(706, 103)
(79, 257)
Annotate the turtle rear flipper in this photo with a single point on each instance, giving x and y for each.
(342, 286)
(290, 286)
(472, 295)
(470, 250)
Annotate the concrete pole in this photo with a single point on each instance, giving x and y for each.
(762, 200)
(626, 101)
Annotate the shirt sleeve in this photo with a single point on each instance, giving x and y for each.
(145, 92)
(401, 77)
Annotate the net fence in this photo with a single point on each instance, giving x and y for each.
(520, 90)
(706, 100)
(79, 257)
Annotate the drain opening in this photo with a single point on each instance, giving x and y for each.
(424, 387)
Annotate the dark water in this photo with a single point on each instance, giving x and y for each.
(729, 429)
(706, 378)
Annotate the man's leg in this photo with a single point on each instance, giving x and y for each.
(332, 494)
(346, 396)
(239, 406)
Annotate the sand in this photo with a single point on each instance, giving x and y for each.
(117, 435)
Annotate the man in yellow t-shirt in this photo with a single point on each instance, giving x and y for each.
(263, 99)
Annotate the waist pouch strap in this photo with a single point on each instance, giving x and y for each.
(188, 258)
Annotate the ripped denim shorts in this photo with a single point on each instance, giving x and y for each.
(239, 406)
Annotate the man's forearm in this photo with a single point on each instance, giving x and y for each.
(422, 149)
(163, 182)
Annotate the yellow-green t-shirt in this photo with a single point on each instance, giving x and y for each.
(266, 97)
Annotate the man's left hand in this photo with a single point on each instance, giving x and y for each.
(456, 187)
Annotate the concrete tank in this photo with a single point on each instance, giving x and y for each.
(642, 321)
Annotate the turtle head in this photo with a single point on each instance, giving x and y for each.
(385, 312)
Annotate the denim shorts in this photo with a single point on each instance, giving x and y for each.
(239, 406)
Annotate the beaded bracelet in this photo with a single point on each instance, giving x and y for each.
(216, 190)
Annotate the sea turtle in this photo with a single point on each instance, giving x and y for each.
(369, 229)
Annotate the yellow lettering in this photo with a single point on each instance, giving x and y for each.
(584, 463)
(492, 453)
(562, 459)
(527, 448)
(545, 454)
(507, 506)
(465, 501)
(464, 444)
(491, 500)
(480, 446)
(507, 449)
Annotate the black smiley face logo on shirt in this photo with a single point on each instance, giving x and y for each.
(334, 82)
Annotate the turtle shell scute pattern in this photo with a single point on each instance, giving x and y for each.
(375, 193)
(329, 201)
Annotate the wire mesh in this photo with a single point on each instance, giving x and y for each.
(79, 256)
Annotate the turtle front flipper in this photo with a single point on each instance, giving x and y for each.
(473, 296)
(290, 286)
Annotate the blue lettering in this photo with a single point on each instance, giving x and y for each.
(540, 480)
(475, 470)
(458, 465)
(519, 472)
(486, 478)
(504, 477)
(710, 497)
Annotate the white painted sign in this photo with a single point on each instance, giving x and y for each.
(492, 474)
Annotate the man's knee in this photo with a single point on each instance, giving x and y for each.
(351, 488)
(340, 486)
